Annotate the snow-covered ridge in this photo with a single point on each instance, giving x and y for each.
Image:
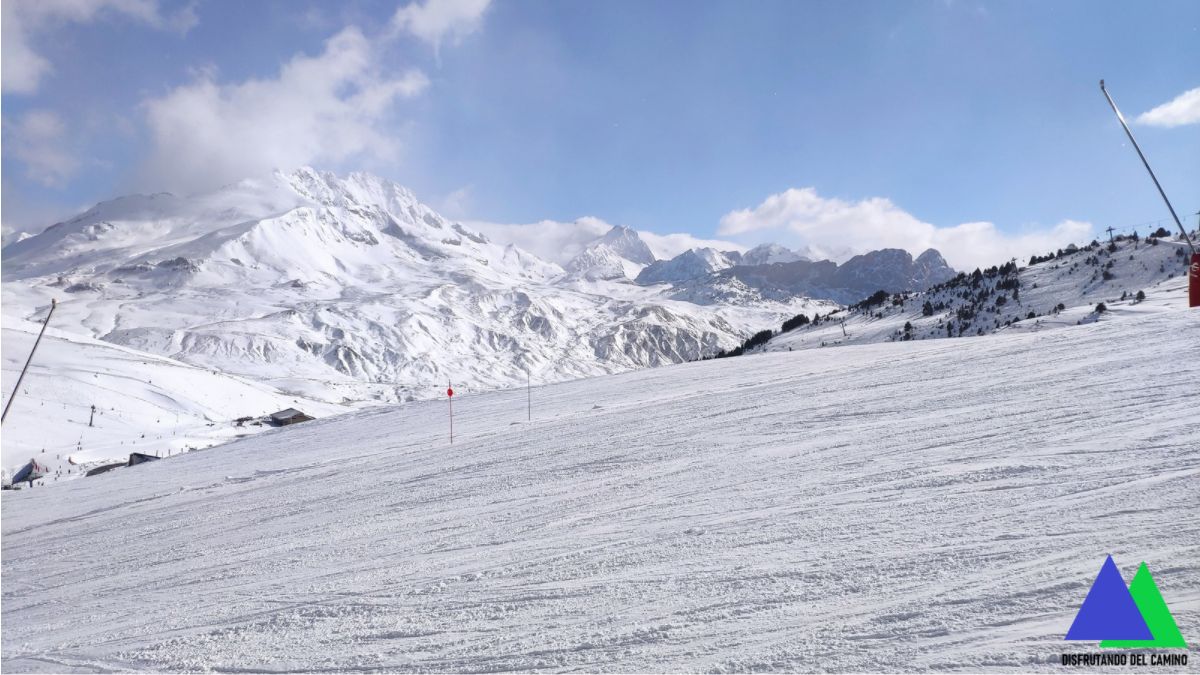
(314, 283)
(708, 276)
(766, 254)
(692, 265)
(1062, 290)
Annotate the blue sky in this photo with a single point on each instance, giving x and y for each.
(840, 125)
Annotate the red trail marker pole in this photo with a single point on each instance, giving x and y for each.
(450, 398)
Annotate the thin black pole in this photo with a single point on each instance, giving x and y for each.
(53, 304)
(1147, 165)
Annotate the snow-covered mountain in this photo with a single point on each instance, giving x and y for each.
(326, 289)
(619, 254)
(858, 277)
(693, 264)
(888, 269)
(349, 288)
(1061, 289)
(765, 254)
(893, 269)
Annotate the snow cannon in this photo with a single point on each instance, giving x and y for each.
(1194, 266)
(30, 472)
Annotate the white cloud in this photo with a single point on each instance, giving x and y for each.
(20, 67)
(437, 20)
(24, 21)
(843, 228)
(558, 242)
(550, 240)
(37, 140)
(457, 203)
(667, 246)
(26, 213)
(1181, 110)
(320, 109)
(981, 244)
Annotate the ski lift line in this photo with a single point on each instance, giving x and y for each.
(1123, 229)
(1145, 163)
(1146, 223)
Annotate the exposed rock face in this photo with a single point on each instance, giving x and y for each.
(886, 269)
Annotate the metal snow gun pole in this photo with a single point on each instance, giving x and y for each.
(1194, 267)
(53, 304)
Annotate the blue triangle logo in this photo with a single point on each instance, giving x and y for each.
(1109, 611)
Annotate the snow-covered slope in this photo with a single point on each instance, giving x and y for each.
(337, 288)
(1049, 294)
(144, 403)
(909, 506)
(696, 263)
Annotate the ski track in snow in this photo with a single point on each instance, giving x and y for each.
(936, 505)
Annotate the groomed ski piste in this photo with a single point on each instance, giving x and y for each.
(923, 505)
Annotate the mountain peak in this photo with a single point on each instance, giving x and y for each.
(619, 231)
(694, 263)
(357, 188)
(765, 254)
(626, 243)
(932, 256)
(619, 253)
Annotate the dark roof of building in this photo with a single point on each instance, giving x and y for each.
(103, 469)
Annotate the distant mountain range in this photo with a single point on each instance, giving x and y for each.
(348, 288)
(1129, 278)
(706, 275)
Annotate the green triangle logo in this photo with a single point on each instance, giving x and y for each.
(1156, 614)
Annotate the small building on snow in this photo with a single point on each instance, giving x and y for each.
(103, 469)
(136, 458)
(289, 416)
